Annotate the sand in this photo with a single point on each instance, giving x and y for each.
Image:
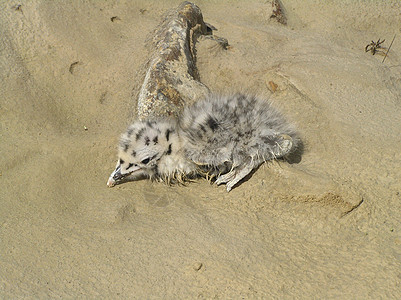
(325, 226)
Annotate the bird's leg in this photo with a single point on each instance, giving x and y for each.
(236, 174)
(225, 177)
(241, 172)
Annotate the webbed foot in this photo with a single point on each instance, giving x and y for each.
(235, 175)
(283, 145)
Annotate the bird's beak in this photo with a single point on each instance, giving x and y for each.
(115, 176)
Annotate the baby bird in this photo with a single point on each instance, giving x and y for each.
(219, 137)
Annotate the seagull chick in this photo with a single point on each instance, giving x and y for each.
(223, 138)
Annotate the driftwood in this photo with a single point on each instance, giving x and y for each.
(172, 79)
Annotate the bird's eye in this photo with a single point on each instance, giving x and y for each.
(145, 161)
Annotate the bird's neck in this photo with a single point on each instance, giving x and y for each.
(173, 164)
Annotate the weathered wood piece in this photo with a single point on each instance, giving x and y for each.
(172, 79)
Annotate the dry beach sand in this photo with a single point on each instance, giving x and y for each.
(327, 226)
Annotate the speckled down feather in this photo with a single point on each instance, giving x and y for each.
(226, 137)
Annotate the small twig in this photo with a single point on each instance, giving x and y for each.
(388, 48)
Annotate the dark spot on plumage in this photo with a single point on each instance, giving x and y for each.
(241, 101)
(212, 123)
(192, 138)
(240, 134)
(124, 144)
(150, 123)
(133, 153)
(242, 153)
(268, 140)
(168, 131)
(121, 162)
(147, 140)
(155, 139)
(249, 133)
(130, 166)
(240, 97)
(192, 135)
(169, 150)
(202, 128)
(129, 132)
(213, 140)
(139, 134)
